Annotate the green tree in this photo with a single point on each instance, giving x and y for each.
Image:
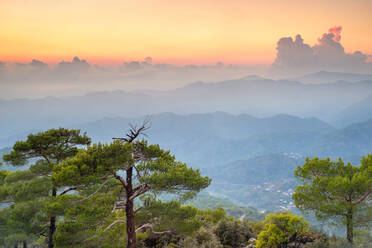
(233, 233)
(167, 222)
(45, 150)
(138, 167)
(282, 230)
(336, 192)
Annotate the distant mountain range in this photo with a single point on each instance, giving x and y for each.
(216, 138)
(357, 112)
(259, 169)
(332, 77)
(209, 139)
(247, 134)
(242, 152)
(251, 95)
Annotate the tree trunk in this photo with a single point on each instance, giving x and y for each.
(349, 226)
(24, 244)
(52, 226)
(129, 209)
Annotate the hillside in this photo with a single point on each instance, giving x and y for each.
(258, 170)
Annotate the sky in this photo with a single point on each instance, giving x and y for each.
(174, 31)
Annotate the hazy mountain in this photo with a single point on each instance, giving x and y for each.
(357, 112)
(354, 139)
(20, 115)
(264, 181)
(322, 77)
(258, 170)
(206, 140)
(255, 96)
(209, 139)
(251, 160)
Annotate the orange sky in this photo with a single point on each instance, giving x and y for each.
(173, 31)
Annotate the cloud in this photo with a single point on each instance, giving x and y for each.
(297, 57)
(369, 58)
(75, 65)
(291, 51)
(137, 65)
(78, 76)
(336, 31)
(38, 63)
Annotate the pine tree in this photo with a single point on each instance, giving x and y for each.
(44, 151)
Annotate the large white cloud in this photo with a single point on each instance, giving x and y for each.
(296, 57)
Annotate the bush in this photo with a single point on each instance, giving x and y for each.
(233, 233)
(282, 229)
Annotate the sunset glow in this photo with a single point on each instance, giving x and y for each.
(180, 32)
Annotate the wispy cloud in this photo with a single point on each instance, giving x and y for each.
(78, 76)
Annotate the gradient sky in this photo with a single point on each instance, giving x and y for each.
(173, 31)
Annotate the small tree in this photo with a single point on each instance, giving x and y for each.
(283, 230)
(335, 191)
(138, 167)
(46, 150)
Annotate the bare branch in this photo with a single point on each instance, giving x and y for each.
(135, 131)
(138, 209)
(363, 197)
(68, 190)
(95, 192)
(119, 205)
(141, 191)
(114, 223)
(151, 226)
(139, 186)
(121, 179)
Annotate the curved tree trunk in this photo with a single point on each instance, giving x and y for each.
(131, 232)
(52, 226)
(350, 226)
(129, 209)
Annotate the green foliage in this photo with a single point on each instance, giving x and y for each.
(206, 238)
(211, 217)
(133, 169)
(205, 201)
(233, 233)
(22, 222)
(159, 169)
(53, 145)
(281, 229)
(87, 189)
(336, 192)
(84, 220)
(363, 239)
(319, 243)
(31, 192)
